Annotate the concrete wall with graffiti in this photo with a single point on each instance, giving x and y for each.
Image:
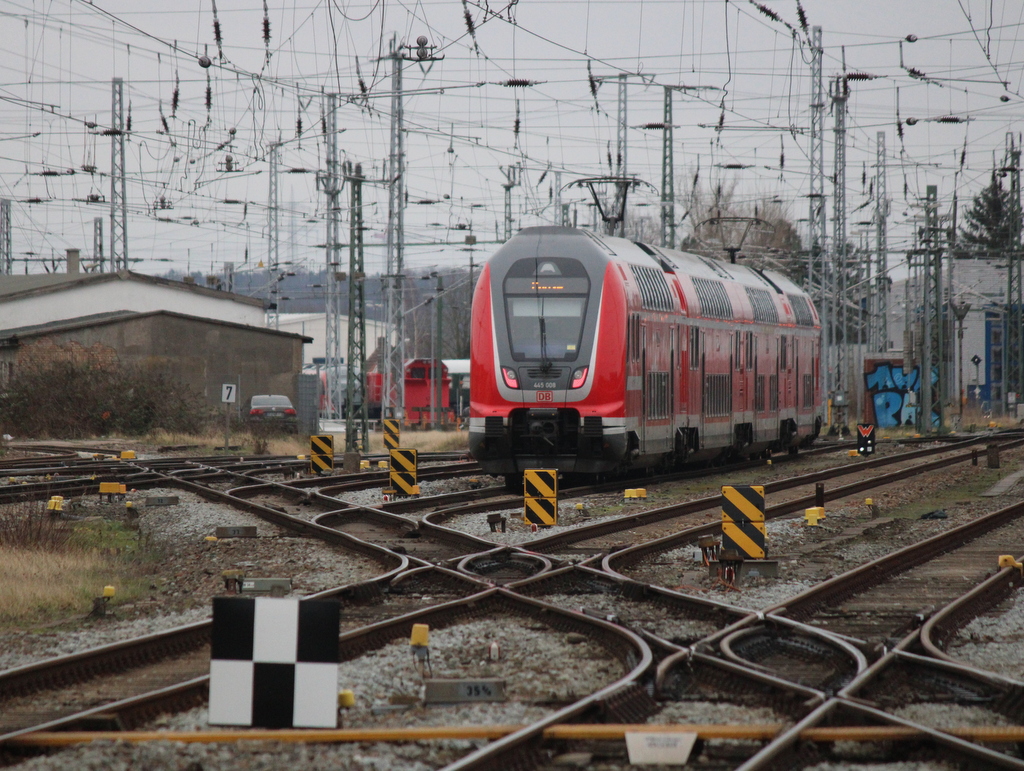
(891, 395)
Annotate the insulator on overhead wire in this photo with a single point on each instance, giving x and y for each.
(128, 120)
(175, 96)
(801, 15)
(209, 94)
(768, 12)
(298, 127)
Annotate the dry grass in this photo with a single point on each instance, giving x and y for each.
(51, 569)
(36, 586)
(289, 444)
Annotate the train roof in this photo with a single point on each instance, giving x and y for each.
(709, 288)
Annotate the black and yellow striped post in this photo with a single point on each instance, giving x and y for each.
(743, 521)
(540, 497)
(391, 433)
(404, 472)
(321, 453)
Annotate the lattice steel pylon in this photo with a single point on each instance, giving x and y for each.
(1013, 367)
(878, 326)
(933, 369)
(97, 244)
(331, 182)
(668, 191)
(511, 180)
(6, 255)
(394, 297)
(273, 236)
(816, 262)
(840, 317)
(621, 149)
(357, 424)
(118, 184)
(394, 310)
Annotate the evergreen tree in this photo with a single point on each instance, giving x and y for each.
(988, 227)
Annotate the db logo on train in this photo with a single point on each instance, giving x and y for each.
(545, 396)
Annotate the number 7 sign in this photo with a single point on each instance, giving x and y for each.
(228, 393)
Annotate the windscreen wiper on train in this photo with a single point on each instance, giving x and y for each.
(545, 365)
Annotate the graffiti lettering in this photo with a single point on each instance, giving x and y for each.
(893, 394)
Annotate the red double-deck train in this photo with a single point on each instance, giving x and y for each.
(595, 355)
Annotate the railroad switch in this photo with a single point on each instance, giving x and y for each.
(635, 493)
(233, 580)
(813, 515)
(364, 465)
(99, 604)
(114, 491)
(55, 505)
(581, 509)
(709, 547)
(730, 564)
(494, 520)
(1007, 561)
(419, 641)
(127, 455)
(346, 700)
(872, 506)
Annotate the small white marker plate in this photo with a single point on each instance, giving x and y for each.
(665, 749)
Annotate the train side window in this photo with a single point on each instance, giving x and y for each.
(783, 351)
(751, 348)
(694, 347)
(737, 349)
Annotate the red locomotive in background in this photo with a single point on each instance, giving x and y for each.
(594, 355)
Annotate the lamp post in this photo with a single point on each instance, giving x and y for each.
(960, 310)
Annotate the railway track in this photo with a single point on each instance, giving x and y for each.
(795, 660)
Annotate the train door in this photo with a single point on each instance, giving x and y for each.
(694, 380)
(644, 404)
(673, 341)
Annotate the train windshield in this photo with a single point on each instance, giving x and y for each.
(546, 303)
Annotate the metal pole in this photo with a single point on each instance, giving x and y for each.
(357, 429)
(816, 263)
(331, 183)
(6, 255)
(1013, 370)
(668, 214)
(394, 332)
(118, 191)
(837, 288)
(273, 241)
(620, 157)
(439, 355)
(880, 309)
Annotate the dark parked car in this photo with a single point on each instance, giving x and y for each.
(273, 409)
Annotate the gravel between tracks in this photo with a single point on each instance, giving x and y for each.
(187, 574)
(994, 641)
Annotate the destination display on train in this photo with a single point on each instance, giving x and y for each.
(554, 285)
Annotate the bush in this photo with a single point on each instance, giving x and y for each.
(68, 400)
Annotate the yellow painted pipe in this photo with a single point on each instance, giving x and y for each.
(756, 732)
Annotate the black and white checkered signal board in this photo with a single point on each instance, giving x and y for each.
(274, 662)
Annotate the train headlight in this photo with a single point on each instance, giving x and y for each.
(510, 377)
(579, 376)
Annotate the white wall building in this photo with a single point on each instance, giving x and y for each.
(315, 325)
(48, 297)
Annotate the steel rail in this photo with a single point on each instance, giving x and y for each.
(632, 554)
(943, 625)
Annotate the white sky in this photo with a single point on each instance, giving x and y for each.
(59, 56)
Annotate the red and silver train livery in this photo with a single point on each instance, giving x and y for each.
(595, 355)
